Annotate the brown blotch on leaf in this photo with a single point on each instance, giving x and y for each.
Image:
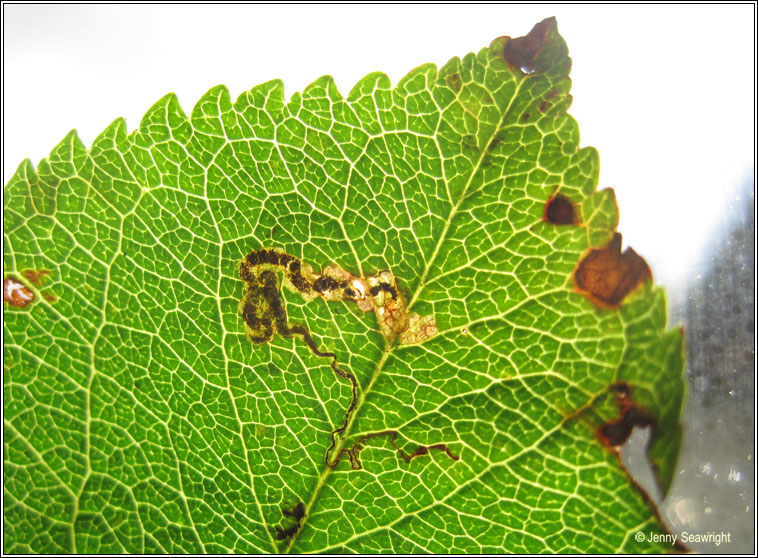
(525, 117)
(15, 293)
(544, 105)
(559, 211)
(36, 277)
(616, 433)
(522, 52)
(606, 275)
(49, 297)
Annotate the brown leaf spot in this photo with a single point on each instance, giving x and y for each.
(496, 141)
(454, 82)
(559, 211)
(15, 293)
(606, 275)
(522, 52)
(525, 117)
(49, 297)
(544, 105)
(36, 277)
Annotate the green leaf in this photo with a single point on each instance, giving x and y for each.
(140, 418)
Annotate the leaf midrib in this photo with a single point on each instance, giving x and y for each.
(392, 344)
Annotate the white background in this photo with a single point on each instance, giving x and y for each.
(666, 93)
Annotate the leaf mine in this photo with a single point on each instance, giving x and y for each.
(377, 292)
(353, 452)
(263, 312)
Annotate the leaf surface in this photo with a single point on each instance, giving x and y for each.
(139, 418)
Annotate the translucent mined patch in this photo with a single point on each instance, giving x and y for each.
(419, 329)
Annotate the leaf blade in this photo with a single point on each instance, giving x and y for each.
(207, 441)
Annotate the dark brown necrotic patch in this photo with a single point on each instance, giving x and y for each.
(522, 52)
(454, 82)
(559, 211)
(616, 433)
(606, 276)
(296, 514)
(246, 273)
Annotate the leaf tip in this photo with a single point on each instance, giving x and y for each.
(114, 133)
(25, 172)
(524, 52)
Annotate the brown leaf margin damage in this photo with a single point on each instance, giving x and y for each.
(606, 275)
(614, 434)
(523, 52)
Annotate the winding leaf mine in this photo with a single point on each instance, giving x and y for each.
(397, 321)
(264, 314)
(377, 292)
